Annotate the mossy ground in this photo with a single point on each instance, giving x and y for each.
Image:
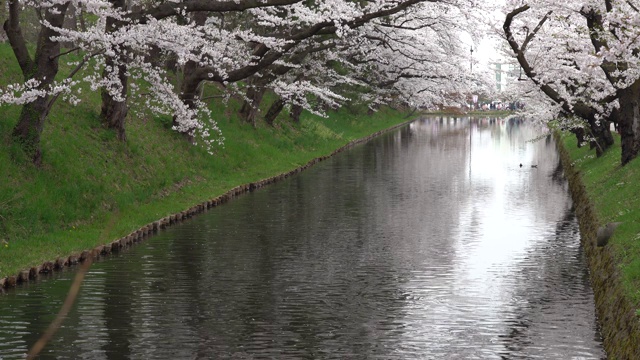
(614, 191)
(92, 188)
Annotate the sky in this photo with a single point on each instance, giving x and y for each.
(487, 50)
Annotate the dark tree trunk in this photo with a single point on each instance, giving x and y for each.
(83, 22)
(579, 133)
(155, 58)
(189, 90)
(114, 113)
(274, 111)
(43, 67)
(629, 122)
(190, 84)
(3, 16)
(192, 76)
(603, 139)
(171, 63)
(251, 107)
(628, 115)
(296, 111)
(70, 22)
(30, 126)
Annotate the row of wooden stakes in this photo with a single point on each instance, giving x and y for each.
(138, 235)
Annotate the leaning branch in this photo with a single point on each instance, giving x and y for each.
(530, 36)
(522, 60)
(18, 43)
(64, 53)
(70, 76)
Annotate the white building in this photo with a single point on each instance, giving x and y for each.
(506, 73)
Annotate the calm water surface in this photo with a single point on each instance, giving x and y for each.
(430, 242)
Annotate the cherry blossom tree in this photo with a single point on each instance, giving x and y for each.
(418, 58)
(583, 56)
(401, 50)
(118, 40)
(412, 58)
(39, 72)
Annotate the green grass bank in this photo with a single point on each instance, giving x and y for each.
(603, 191)
(92, 189)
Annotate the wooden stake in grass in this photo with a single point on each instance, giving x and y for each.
(62, 314)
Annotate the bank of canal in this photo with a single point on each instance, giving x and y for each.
(617, 310)
(427, 242)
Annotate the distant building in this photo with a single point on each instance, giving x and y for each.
(505, 73)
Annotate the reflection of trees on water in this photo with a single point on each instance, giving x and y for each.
(551, 273)
(553, 297)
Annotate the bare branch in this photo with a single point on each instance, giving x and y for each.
(18, 43)
(64, 53)
(71, 75)
(535, 31)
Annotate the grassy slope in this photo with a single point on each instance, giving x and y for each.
(93, 189)
(614, 191)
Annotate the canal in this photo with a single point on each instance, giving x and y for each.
(429, 242)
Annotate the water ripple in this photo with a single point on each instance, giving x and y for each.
(427, 243)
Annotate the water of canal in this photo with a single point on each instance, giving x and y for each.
(430, 242)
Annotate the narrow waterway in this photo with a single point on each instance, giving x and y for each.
(430, 242)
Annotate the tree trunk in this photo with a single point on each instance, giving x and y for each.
(296, 111)
(599, 130)
(274, 111)
(70, 22)
(602, 134)
(83, 22)
(3, 17)
(190, 84)
(192, 77)
(43, 67)
(114, 113)
(579, 133)
(251, 107)
(27, 131)
(629, 121)
(189, 90)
